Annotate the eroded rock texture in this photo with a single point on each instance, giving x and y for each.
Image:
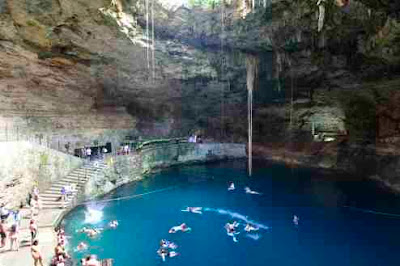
(80, 70)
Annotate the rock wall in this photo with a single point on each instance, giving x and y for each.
(367, 161)
(23, 164)
(165, 155)
(120, 170)
(126, 168)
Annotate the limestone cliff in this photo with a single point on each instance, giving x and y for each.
(116, 65)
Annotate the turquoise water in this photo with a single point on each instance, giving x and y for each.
(328, 233)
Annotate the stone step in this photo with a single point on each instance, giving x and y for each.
(48, 196)
(57, 190)
(59, 186)
(54, 207)
(52, 201)
(83, 172)
(69, 182)
(75, 178)
(72, 178)
(88, 172)
(51, 197)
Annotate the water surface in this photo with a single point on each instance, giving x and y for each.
(328, 233)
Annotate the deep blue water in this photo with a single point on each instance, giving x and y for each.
(328, 234)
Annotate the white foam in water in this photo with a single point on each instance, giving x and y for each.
(93, 215)
(253, 236)
(238, 216)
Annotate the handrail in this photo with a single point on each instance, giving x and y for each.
(148, 143)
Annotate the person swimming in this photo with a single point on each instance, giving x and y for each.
(296, 220)
(183, 227)
(193, 210)
(163, 253)
(82, 246)
(113, 224)
(249, 191)
(231, 230)
(231, 186)
(91, 232)
(168, 244)
(249, 227)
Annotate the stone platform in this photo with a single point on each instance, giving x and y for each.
(46, 221)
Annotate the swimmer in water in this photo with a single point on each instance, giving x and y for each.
(113, 224)
(231, 186)
(93, 232)
(82, 246)
(231, 230)
(173, 254)
(183, 227)
(296, 220)
(168, 244)
(163, 253)
(89, 231)
(249, 227)
(193, 210)
(249, 191)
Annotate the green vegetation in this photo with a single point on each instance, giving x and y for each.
(44, 159)
(360, 113)
(32, 23)
(109, 21)
(140, 145)
(205, 3)
(45, 54)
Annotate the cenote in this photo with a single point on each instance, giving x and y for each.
(342, 221)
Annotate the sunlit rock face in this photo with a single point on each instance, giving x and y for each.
(94, 66)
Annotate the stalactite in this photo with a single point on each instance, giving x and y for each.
(321, 14)
(278, 69)
(153, 40)
(147, 35)
(246, 7)
(291, 96)
(222, 8)
(252, 76)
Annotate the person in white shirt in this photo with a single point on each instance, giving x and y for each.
(126, 149)
(4, 213)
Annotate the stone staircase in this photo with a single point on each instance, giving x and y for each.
(51, 198)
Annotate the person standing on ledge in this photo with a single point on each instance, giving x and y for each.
(36, 255)
(3, 234)
(14, 232)
(34, 230)
(89, 153)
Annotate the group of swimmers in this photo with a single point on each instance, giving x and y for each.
(167, 249)
(246, 189)
(93, 232)
(231, 230)
(91, 260)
